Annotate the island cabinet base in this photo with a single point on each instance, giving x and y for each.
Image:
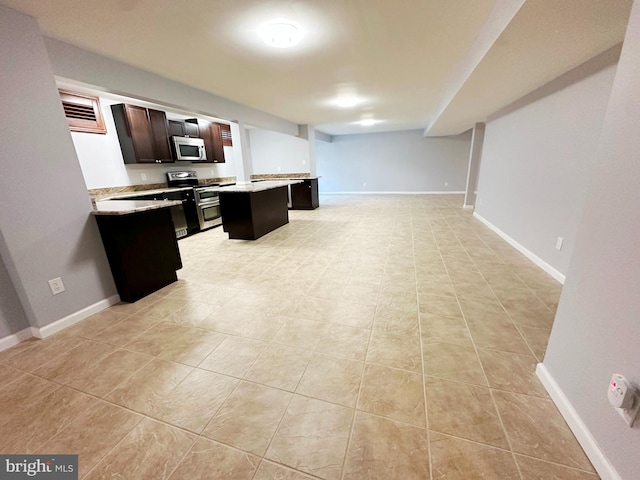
(250, 215)
(142, 250)
(304, 196)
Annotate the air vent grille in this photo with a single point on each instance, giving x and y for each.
(83, 112)
(225, 130)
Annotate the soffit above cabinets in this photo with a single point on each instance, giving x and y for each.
(408, 63)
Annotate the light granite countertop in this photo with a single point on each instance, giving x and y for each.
(125, 207)
(259, 186)
(141, 193)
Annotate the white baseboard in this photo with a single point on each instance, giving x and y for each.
(589, 444)
(468, 207)
(392, 193)
(527, 253)
(55, 327)
(15, 338)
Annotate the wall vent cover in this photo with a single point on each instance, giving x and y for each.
(83, 112)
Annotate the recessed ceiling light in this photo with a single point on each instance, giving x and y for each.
(367, 122)
(347, 102)
(280, 34)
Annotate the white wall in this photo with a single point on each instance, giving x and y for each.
(597, 327)
(273, 152)
(73, 63)
(45, 219)
(12, 316)
(403, 161)
(102, 164)
(538, 157)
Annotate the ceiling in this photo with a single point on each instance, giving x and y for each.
(437, 65)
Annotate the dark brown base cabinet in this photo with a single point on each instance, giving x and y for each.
(142, 250)
(250, 215)
(304, 196)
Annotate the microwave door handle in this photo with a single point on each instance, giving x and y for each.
(201, 149)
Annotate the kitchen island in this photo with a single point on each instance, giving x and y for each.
(141, 245)
(252, 210)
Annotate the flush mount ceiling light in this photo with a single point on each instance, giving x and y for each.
(347, 102)
(280, 34)
(367, 122)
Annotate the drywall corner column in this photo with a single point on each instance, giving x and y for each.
(595, 333)
(241, 152)
(475, 155)
(45, 219)
(308, 132)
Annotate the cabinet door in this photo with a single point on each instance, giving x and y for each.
(160, 129)
(176, 128)
(191, 129)
(212, 136)
(141, 134)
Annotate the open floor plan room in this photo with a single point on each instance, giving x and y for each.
(388, 337)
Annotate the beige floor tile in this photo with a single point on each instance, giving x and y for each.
(530, 313)
(109, 372)
(245, 323)
(33, 354)
(192, 403)
(151, 450)
(453, 362)
(215, 461)
(93, 326)
(352, 314)
(395, 351)
(512, 372)
(29, 428)
(142, 391)
(345, 341)
(162, 308)
(279, 366)
(312, 308)
(485, 313)
(451, 330)
(123, 332)
(22, 393)
(312, 437)
(537, 339)
(536, 428)
(392, 393)
(234, 356)
(502, 336)
(465, 411)
(457, 459)
(272, 471)
(92, 434)
(77, 361)
(249, 417)
(8, 375)
(193, 314)
(333, 379)
(383, 449)
(533, 469)
(397, 322)
(301, 333)
(439, 306)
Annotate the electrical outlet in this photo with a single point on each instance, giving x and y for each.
(56, 286)
(304, 161)
(559, 243)
(143, 176)
(446, 184)
(364, 185)
(212, 172)
(279, 169)
(624, 397)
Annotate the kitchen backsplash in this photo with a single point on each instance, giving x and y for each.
(98, 193)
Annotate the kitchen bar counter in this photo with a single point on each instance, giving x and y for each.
(250, 211)
(140, 241)
(259, 186)
(126, 207)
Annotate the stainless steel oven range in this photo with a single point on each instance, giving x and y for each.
(208, 204)
(205, 209)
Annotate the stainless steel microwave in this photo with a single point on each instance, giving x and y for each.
(188, 149)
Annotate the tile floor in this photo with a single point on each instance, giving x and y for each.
(378, 337)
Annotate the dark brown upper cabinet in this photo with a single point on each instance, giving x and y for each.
(211, 134)
(143, 134)
(83, 112)
(178, 128)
